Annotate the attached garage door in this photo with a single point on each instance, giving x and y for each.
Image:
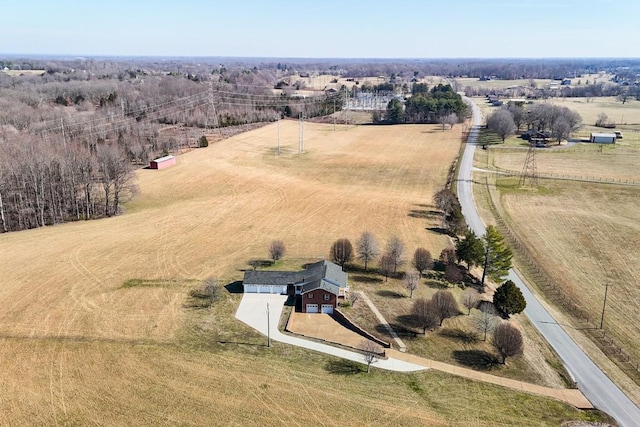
(312, 308)
(250, 289)
(327, 308)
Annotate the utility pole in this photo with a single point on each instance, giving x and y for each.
(604, 304)
(334, 113)
(301, 135)
(64, 138)
(268, 328)
(278, 135)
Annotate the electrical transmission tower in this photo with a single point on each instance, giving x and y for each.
(214, 113)
(530, 169)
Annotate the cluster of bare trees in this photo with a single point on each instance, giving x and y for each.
(559, 122)
(43, 184)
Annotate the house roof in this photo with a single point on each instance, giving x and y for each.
(321, 274)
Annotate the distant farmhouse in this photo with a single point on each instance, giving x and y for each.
(316, 289)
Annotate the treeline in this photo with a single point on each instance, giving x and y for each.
(553, 121)
(439, 104)
(71, 137)
(48, 182)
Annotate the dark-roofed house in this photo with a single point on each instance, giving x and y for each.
(317, 288)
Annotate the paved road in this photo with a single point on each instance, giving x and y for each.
(595, 385)
(253, 311)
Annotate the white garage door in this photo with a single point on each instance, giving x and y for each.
(327, 308)
(312, 308)
(280, 289)
(250, 289)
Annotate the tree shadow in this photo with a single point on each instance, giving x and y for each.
(407, 322)
(476, 359)
(389, 294)
(460, 335)
(399, 329)
(234, 287)
(366, 279)
(423, 213)
(438, 230)
(343, 367)
(437, 284)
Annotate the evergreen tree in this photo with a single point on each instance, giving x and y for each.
(470, 249)
(394, 111)
(508, 299)
(497, 255)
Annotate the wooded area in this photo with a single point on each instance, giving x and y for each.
(72, 136)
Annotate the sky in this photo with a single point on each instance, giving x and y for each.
(323, 29)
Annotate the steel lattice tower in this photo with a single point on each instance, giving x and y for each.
(530, 169)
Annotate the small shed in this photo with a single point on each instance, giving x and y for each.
(162, 162)
(603, 138)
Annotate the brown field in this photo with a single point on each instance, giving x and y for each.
(16, 73)
(499, 84)
(80, 348)
(540, 83)
(583, 234)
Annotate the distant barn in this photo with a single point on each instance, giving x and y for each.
(162, 162)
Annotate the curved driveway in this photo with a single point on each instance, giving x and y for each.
(595, 385)
(253, 311)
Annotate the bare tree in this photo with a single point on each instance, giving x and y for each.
(501, 122)
(448, 256)
(367, 247)
(254, 263)
(395, 249)
(422, 260)
(445, 305)
(487, 320)
(411, 281)
(277, 249)
(353, 297)
(424, 314)
(451, 119)
(469, 299)
(624, 95)
(507, 340)
(603, 120)
(386, 266)
(342, 252)
(442, 119)
(371, 352)
(445, 200)
(453, 273)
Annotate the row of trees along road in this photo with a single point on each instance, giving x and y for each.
(559, 122)
(441, 104)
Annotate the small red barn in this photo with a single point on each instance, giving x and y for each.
(162, 162)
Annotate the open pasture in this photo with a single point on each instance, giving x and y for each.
(586, 235)
(16, 73)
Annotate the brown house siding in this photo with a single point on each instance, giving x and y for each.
(318, 298)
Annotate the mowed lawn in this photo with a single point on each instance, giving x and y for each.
(77, 347)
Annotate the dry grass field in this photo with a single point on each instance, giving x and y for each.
(16, 73)
(583, 234)
(81, 343)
